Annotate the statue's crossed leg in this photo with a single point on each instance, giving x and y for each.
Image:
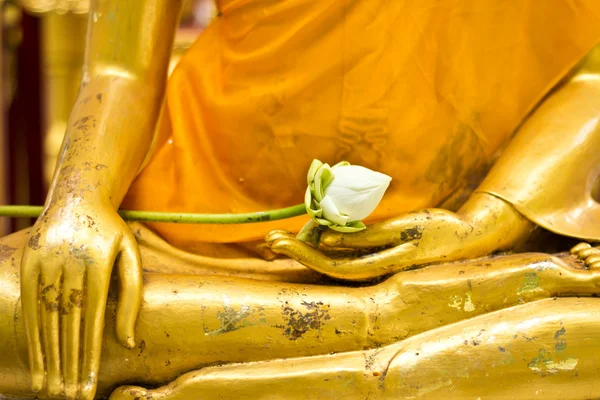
(281, 334)
(516, 352)
(546, 348)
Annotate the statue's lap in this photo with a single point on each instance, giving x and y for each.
(521, 340)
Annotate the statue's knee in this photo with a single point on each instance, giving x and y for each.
(513, 345)
(11, 249)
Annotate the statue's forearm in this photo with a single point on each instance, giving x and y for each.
(108, 135)
(112, 123)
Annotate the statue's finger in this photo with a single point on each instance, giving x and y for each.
(130, 291)
(407, 228)
(30, 273)
(264, 251)
(97, 283)
(382, 263)
(276, 235)
(372, 237)
(50, 300)
(71, 307)
(301, 252)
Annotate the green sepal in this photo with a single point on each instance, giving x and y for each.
(312, 208)
(323, 222)
(350, 227)
(314, 167)
(314, 213)
(323, 175)
(357, 224)
(310, 233)
(326, 179)
(307, 198)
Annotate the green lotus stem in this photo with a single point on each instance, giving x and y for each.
(178, 218)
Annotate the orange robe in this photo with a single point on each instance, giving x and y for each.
(425, 91)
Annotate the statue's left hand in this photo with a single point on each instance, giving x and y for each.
(383, 248)
(484, 225)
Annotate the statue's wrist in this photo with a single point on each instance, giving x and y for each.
(92, 181)
(87, 192)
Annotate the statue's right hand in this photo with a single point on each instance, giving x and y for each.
(65, 276)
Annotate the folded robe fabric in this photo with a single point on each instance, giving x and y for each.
(424, 91)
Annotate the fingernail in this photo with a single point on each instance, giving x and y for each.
(130, 342)
(54, 388)
(275, 235)
(89, 389)
(126, 340)
(37, 382)
(270, 238)
(71, 391)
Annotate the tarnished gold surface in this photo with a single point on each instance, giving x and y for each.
(502, 355)
(69, 259)
(219, 323)
(442, 328)
(63, 39)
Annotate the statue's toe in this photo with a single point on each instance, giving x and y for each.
(588, 254)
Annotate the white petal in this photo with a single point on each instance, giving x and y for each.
(331, 213)
(356, 191)
(358, 178)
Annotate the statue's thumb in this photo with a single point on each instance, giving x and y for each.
(129, 268)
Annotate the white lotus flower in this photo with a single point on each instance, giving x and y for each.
(340, 197)
(356, 191)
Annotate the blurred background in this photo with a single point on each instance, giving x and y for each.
(43, 43)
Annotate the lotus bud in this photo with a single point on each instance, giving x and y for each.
(340, 197)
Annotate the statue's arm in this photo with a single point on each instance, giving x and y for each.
(483, 225)
(124, 77)
(543, 178)
(73, 246)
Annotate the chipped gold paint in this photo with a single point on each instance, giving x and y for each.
(462, 303)
(530, 284)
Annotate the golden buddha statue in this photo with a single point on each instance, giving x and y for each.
(431, 94)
